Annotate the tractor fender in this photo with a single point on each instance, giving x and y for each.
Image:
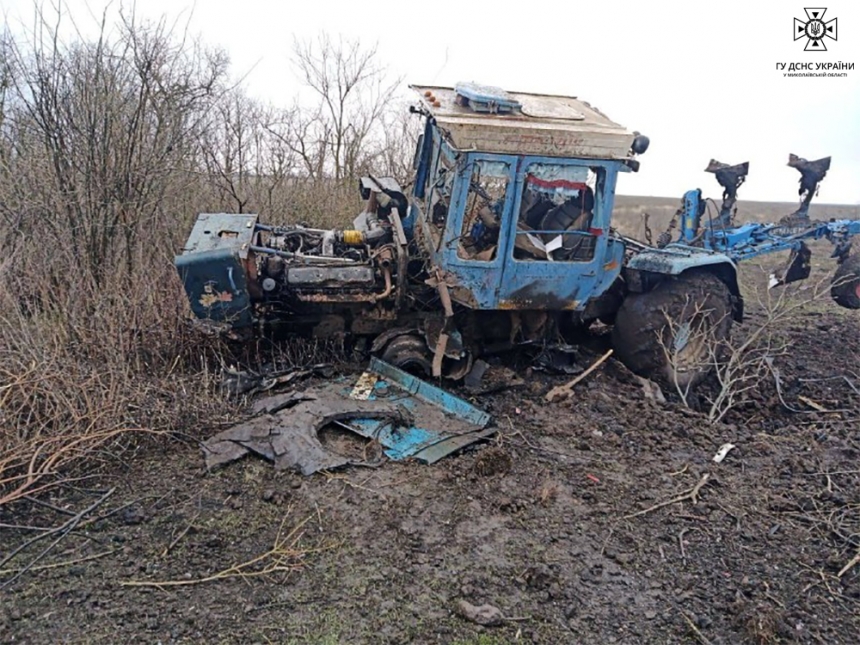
(650, 267)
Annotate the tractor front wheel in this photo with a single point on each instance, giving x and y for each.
(409, 352)
(675, 333)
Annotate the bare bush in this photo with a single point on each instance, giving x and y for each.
(93, 135)
(742, 364)
(109, 147)
(96, 141)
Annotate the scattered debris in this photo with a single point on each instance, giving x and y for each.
(235, 382)
(724, 450)
(692, 495)
(288, 437)
(411, 419)
(485, 615)
(812, 404)
(564, 391)
(559, 358)
(473, 378)
(363, 389)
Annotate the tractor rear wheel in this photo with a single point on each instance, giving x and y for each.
(674, 333)
(845, 286)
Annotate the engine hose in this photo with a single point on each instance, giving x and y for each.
(328, 243)
(386, 271)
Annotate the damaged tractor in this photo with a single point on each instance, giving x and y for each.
(505, 239)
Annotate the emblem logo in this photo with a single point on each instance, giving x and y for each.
(815, 29)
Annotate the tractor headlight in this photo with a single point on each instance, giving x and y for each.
(640, 143)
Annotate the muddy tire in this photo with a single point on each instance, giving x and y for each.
(845, 286)
(677, 354)
(409, 352)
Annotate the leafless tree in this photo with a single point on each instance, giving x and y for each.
(245, 154)
(341, 133)
(94, 130)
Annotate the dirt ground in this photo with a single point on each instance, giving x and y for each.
(541, 523)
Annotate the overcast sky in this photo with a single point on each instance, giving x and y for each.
(699, 78)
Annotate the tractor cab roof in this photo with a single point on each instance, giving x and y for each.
(488, 119)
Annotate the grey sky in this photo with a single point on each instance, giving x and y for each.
(699, 78)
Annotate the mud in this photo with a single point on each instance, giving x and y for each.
(535, 523)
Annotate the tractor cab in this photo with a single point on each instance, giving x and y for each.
(514, 194)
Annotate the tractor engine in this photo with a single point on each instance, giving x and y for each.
(239, 272)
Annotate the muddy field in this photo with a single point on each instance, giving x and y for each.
(561, 522)
(628, 213)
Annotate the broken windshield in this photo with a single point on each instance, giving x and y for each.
(556, 214)
(485, 203)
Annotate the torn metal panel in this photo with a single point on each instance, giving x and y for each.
(407, 416)
(289, 436)
(443, 424)
(430, 393)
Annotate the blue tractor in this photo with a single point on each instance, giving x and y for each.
(505, 238)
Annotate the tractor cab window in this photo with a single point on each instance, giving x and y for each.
(556, 214)
(482, 217)
(439, 197)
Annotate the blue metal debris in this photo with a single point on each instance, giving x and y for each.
(430, 393)
(409, 417)
(213, 267)
(444, 423)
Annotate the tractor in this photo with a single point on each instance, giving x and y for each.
(504, 239)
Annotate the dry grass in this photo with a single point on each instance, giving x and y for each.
(108, 150)
(80, 370)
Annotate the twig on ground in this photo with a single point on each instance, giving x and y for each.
(681, 543)
(65, 563)
(822, 580)
(181, 535)
(118, 509)
(60, 531)
(849, 566)
(606, 541)
(25, 527)
(695, 629)
(283, 556)
(566, 390)
(692, 495)
(832, 378)
(812, 404)
(40, 502)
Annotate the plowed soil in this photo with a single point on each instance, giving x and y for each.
(549, 522)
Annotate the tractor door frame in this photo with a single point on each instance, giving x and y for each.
(478, 277)
(563, 284)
